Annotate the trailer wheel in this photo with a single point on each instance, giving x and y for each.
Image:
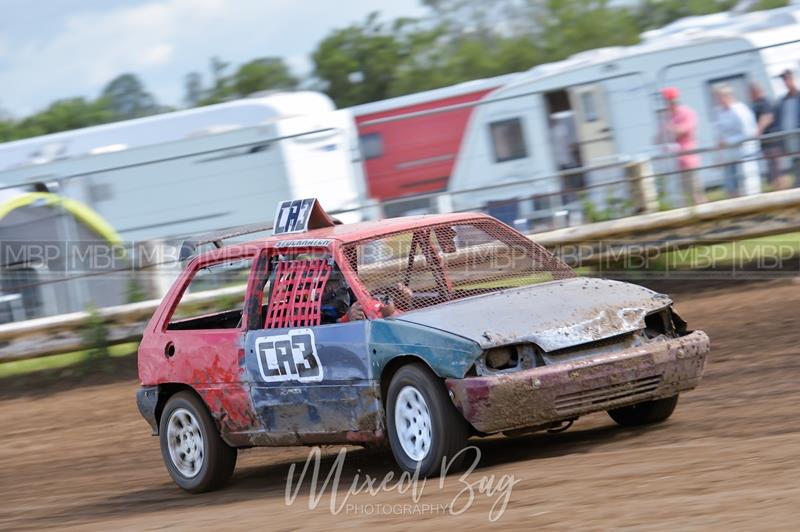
(195, 456)
(425, 429)
(644, 413)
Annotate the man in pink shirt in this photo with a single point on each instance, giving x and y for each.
(679, 130)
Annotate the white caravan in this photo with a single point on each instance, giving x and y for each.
(162, 128)
(591, 108)
(176, 174)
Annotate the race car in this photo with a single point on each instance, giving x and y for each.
(417, 332)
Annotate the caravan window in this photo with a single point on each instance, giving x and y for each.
(371, 145)
(588, 106)
(508, 140)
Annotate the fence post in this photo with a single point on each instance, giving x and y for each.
(443, 204)
(642, 185)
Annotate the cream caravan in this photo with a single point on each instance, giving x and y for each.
(603, 106)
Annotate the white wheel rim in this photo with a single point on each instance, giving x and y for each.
(185, 442)
(412, 423)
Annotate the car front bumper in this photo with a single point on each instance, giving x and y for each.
(540, 396)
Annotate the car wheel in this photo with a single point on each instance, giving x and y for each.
(196, 457)
(644, 413)
(425, 429)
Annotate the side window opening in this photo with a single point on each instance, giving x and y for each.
(296, 292)
(306, 290)
(225, 282)
(508, 140)
(371, 145)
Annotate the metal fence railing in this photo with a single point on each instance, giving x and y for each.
(620, 188)
(600, 245)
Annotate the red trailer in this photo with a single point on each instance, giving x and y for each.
(415, 155)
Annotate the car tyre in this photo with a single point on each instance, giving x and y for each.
(644, 413)
(195, 455)
(426, 432)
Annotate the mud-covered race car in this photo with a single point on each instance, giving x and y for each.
(419, 332)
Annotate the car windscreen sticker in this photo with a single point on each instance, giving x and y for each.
(306, 243)
(289, 357)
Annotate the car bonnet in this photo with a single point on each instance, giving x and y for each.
(553, 315)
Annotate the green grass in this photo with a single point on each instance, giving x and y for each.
(23, 367)
(785, 246)
(716, 194)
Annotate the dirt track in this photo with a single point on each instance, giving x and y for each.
(729, 457)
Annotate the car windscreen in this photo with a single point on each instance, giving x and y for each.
(436, 263)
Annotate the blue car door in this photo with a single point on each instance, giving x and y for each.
(309, 382)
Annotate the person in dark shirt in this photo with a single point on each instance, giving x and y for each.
(787, 120)
(765, 120)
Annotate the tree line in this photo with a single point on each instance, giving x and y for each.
(375, 59)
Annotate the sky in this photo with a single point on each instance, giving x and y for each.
(52, 49)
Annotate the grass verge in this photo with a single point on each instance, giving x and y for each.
(54, 362)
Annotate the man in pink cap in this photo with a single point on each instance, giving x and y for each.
(679, 130)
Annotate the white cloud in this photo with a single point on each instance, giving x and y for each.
(161, 40)
(157, 55)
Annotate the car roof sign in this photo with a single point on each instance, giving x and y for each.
(299, 216)
(292, 216)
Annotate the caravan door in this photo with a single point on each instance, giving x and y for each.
(593, 123)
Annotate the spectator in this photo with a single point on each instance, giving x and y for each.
(567, 154)
(679, 132)
(736, 127)
(787, 118)
(762, 109)
(765, 125)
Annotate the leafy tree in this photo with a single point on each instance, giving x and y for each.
(262, 74)
(769, 4)
(218, 67)
(193, 86)
(570, 27)
(257, 75)
(479, 19)
(128, 98)
(71, 113)
(220, 90)
(359, 63)
(460, 40)
(11, 130)
(7, 130)
(463, 40)
(652, 14)
(95, 335)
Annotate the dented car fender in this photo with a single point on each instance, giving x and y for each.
(448, 355)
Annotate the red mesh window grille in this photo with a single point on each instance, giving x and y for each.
(297, 293)
(444, 262)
